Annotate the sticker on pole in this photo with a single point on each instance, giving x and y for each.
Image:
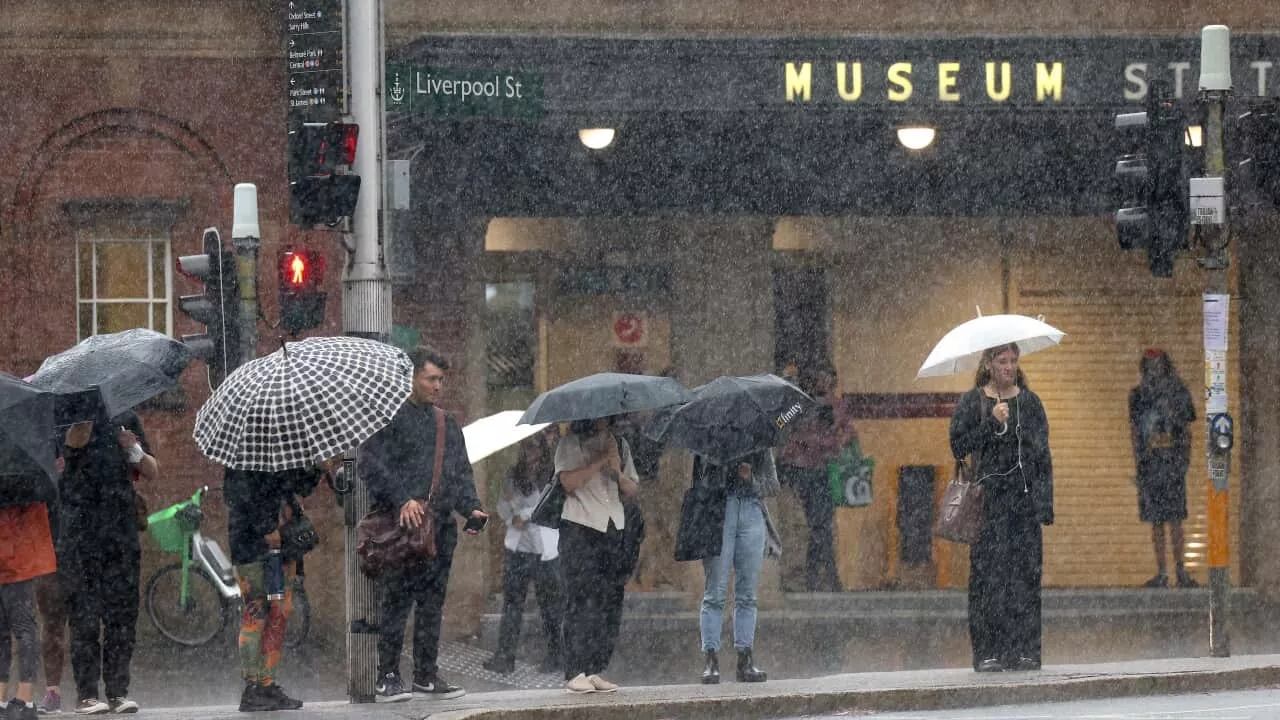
(1208, 206)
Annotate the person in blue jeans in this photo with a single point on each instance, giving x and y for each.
(724, 523)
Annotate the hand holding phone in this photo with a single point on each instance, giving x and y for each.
(475, 523)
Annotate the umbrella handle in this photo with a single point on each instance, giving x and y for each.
(1004, 428)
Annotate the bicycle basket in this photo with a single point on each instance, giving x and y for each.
(171, 526)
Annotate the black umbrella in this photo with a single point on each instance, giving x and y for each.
(126, 368)
(27, 443)
(602, 395)
(730, 417)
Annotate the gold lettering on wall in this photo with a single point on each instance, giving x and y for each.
(1000, 93)
(1049, 81)
(846, 93)
(947, 72)
(799, 82)
(900, 76)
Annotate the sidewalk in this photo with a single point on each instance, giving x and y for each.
(856, 692)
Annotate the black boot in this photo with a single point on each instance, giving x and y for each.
(711, 673)
(747, 670)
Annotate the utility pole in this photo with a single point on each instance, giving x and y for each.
(1209, 210)
(247, 239)
(366, 308)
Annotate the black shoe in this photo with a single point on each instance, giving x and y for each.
(1186, 581)
(391, 689)
(1158, 581)
(711, 673)
(1025, 664)
(265, 698)
(990, 665)
(437, 688)
(747, 670)
(500, 665)
(19, 710)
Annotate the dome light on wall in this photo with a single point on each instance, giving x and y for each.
(596, 138)
(916, 137)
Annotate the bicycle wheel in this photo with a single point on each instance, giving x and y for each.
(204, 615)
(295, 633)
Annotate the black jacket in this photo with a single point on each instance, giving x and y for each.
(96, 511)
(975, 430)
(254, 503)
(396, 463)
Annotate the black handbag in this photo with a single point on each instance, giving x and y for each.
(550, 505)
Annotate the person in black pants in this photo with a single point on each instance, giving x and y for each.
(397, 463)
(1002, 424)
(532, 555)
(99, 556)
(596, 470)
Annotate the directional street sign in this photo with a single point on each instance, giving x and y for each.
(315, 55)
(452, 92)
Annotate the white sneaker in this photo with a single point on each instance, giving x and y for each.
(600, 684)
(122, 705)
(580, 685)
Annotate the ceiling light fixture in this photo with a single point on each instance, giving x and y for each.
(596, 138)
(916, 137)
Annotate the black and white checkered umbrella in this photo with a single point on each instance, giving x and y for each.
(307, 402)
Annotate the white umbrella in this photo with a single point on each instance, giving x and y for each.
(488, 435)
(961, 349)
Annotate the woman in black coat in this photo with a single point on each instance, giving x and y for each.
(1002, 424)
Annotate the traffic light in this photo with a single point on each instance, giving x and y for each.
(1152, 187)
(1258, 133)
(217, 308)
(321, 192)
(301, 302)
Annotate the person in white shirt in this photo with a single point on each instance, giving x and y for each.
(596, 470)
(532, 552)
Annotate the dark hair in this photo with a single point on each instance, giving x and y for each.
(808, 376)
(586, 425)
(527, 476)
(1152, 359)
(983, 375)
(424, 354)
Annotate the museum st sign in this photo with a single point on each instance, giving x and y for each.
(628, 75)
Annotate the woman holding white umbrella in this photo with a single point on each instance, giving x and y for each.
(1003, 425)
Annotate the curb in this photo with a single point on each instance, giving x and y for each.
(761, 706)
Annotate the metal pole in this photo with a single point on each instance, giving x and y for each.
(366, 307)
(1215, 87)
(247, 239)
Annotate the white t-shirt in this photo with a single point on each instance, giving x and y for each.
(530, 538)
(597, 501)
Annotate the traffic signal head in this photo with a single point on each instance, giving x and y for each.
(1153, 210)
(1258, 134)
(217, 308)
(321, 191)
(300, 273)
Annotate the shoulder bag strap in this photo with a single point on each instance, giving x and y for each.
(439, 456)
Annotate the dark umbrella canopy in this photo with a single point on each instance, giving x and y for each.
(602, 395)
(27, 445)
(730, 417)
(126, 368)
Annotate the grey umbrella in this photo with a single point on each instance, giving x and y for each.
(602, 395)
(305, 403)
(124, 368)
(27, 443)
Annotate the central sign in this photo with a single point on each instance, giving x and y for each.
(452, 92)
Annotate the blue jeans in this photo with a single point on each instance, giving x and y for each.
(742, 551)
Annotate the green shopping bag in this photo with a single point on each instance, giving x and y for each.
(849, 476)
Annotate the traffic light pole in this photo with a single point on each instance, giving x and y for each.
(1215, 87)
(366, 308)
(247, 239)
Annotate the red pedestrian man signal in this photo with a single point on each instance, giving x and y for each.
(297, 270)
(300, 273)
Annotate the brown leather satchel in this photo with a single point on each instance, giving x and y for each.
(960, 512)
(382, 543)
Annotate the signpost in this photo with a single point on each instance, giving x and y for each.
(315, 51)
(454, 93)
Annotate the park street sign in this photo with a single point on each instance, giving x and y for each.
(462, 93)
(315, 53)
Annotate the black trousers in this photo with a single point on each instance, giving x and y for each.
(1004, 579)
(814, 493)
(593, 587)
(102, 609)
(423, 584)
(521, 569)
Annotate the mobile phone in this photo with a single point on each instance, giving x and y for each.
(475, 523)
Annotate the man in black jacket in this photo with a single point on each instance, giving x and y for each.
(396, 464)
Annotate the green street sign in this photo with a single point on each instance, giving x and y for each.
(451, 92)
